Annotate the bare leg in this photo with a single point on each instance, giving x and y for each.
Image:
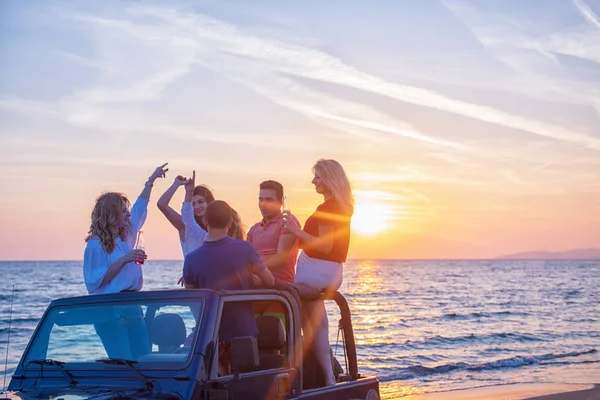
(320, 326)
(307, 330)
(308, 294)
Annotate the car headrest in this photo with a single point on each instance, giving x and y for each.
(168, 331)
(271, 333)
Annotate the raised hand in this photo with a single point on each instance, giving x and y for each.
(289, 225)
(190, 184)
(159, 172)
(180, 180)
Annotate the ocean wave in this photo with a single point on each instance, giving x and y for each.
(416, 371)
(475, 324)
(572, 293)
(458, 316)
(439, 340)
(485, 338)
(519, 361)
(569, 363)
(16, 330)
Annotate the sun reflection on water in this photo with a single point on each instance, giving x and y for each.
(397, 390)
(369, 279)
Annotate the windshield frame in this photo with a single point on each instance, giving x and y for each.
(174, 297)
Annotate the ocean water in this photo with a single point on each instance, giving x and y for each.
(420, 326)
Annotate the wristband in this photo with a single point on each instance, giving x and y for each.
(149, 184)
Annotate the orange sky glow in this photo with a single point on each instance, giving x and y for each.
(476, 141)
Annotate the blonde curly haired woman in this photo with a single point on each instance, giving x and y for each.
(324, 241)
(109, 258)
(109, 267)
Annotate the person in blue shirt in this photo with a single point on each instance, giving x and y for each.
(225, 263)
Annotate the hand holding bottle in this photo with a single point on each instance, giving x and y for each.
(134, 255)
(140, 246)
(289, 224)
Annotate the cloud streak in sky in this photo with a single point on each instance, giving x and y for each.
(534, 51)
(260, 63)
(587, 13)
(317, 65)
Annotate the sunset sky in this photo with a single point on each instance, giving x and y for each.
(469, 129)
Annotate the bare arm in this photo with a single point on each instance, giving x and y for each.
(322, 243)
(159, 172)
(284, 248)
(163, 204)
(189, 186)
(266, 277)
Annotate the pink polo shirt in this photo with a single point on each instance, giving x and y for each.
(264, 236)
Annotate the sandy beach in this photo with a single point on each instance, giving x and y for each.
(586, 394)
(516, 392)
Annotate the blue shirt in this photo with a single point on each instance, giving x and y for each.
(226, 264)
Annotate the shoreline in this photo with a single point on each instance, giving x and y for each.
(517, 391)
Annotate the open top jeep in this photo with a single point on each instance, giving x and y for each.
(164, 344)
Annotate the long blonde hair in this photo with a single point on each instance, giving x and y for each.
(105, 220)
(236, 230)
(334, 177)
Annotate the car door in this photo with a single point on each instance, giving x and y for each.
(274, 377)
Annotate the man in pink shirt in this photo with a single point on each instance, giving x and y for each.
(277, 248)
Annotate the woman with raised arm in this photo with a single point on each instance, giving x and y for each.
(201, 196)
(324, 242)
(109, 258)
(193, 228)
(109, 266)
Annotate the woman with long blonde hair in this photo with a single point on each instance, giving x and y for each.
(109, 258)
(324, 242)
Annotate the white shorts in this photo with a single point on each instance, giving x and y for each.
(317, 273)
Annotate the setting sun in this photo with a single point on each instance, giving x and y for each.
(369, 219)
(372, 213)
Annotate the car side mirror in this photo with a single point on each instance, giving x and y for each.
(244, 354)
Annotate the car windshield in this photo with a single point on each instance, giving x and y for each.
(117, 333)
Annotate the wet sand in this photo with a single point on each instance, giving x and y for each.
(590, 394)
(536, 391)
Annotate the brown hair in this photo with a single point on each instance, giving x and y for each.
(218, 214)
(105, 220)
(273, 185)
(205, 192)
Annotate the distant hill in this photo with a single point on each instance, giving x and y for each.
(577, 254)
